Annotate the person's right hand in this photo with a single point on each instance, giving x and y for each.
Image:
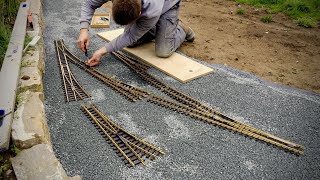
(95, 59)
(84, 40)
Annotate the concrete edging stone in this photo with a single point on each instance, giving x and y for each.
(30, 132)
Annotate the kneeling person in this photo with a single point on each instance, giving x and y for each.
(145, 20)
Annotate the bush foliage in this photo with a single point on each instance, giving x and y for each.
(8, 11)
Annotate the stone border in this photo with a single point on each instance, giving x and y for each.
(9, 73)
(30, 132)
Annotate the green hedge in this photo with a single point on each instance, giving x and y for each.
(8, 12)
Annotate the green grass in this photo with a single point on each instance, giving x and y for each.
(267, 19)
(14, 149)
(5, 32)
(240, 11)
(4, 167)
(306, 22)
(5, 163)
(306, 13)
(27, 39)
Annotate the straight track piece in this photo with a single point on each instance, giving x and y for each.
(216, 120)
(173, 93)
(130, 92)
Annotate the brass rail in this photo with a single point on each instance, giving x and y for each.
(193, 108)
(130, 92)
(134, 150)
(181, 102)
(72, 89)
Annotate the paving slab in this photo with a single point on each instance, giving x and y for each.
(39, 163)
(195, 150)
(29, 125)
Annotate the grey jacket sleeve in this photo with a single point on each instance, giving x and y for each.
(132, 33)
(87, 10)
(150, 14)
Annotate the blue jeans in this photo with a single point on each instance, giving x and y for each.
(168, 34)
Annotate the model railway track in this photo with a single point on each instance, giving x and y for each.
(133, 150)
(181, 103)
(173, 93)
(72, 89)
(187, 105)
(130, 92)
(227, 124)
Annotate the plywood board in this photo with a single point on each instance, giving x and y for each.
(177, 66)
(98, 22)
(108, 6)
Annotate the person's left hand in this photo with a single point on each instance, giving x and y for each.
(96, 57)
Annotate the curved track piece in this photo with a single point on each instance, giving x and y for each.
(130, 148)
(72, 89)
(193, 108)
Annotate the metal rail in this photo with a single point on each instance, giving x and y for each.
(133, 150)
(72, 89)
(193, 108)
(173, 93)
(130, 92)
(181, 102)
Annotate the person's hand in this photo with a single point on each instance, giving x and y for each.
(95, 59)
(84, 40)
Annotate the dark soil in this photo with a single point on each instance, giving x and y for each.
(280, 51)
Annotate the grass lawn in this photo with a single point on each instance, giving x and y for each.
(306, 13)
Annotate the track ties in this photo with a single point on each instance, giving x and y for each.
(173, 93)
(130, 148)
(130, 92)
(72, 89)
(229, 125)
(187, 105)
(181, 103)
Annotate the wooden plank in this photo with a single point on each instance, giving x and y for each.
(177, 66)
(9, 74)
(107, 6)
(97, 21)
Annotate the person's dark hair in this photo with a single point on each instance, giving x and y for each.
(125, 11)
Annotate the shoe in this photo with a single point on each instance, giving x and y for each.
(190, 35)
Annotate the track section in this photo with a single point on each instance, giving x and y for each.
(73, 91)
(130, 92)
(173, 93)
(195, 109)
(181, 103)
(130, 148)
(230, 125)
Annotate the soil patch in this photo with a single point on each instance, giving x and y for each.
(280, 51)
